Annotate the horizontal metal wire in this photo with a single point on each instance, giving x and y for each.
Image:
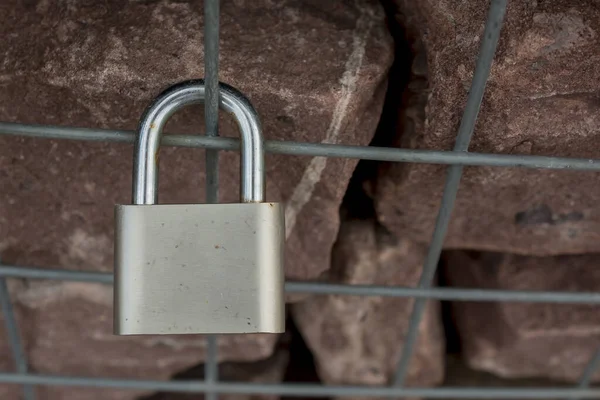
(437, 293)
(303, 390)
(390, 154)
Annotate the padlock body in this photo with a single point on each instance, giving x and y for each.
(199, 268)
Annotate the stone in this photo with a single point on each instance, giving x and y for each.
(315, 71)
(67, 330)
(541, 99)
(358, 340)
(459, 374)
(526, 340)
(268, 370)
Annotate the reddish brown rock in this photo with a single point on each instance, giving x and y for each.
(459, 374)
(269, 370)
(358, 340)
(542, 99)
(67, 330)
(526, 339)
(316, 72)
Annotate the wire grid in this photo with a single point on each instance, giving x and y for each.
(456, 159)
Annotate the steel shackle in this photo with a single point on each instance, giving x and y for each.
(145, 163)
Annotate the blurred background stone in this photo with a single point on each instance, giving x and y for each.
(541, 99)
(315, 71)
(523, 340)
(67, 330)
(459, 374)
(269, 370)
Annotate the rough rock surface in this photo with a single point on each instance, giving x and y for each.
(459, 374)
(358, 340)
(542, 99)
(67, 330)
(526, 339)
(315, 71)
(269, 370)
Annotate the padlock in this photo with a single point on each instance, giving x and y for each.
(199, 268)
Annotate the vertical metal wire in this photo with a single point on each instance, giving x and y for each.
(588, 373)
(14, 339)
(489, 43)
(211, 105)
(211, 115)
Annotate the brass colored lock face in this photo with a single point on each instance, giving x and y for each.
(199, 268)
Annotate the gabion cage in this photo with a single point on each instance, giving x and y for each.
(211, 386)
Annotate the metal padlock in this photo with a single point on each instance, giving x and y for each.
(198, 268)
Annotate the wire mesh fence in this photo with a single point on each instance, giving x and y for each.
(456, 159)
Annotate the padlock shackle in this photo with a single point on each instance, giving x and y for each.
(145, 163)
